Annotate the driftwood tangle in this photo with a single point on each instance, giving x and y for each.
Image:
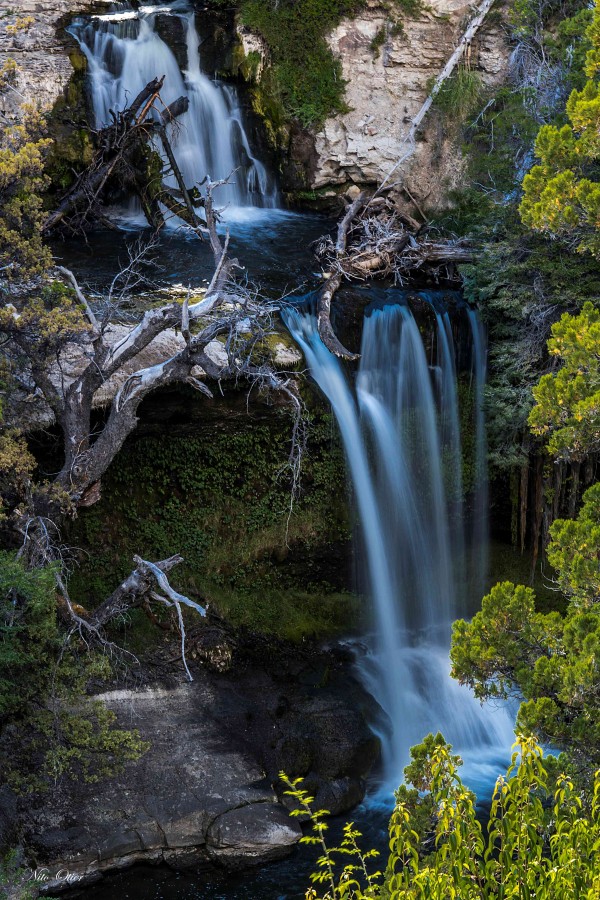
(123, 150)
(375, 240)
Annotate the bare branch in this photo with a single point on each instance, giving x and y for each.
(349, 217)
(328, 336)
(327, 292)
(185, 319)
(82, 299)
(163, 583)
(216, 279)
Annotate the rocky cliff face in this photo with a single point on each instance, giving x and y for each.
(207, 792)
(386, 87)
(41, 52)
(388, 73)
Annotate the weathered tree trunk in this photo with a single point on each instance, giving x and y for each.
(538, 510)
(524, 494)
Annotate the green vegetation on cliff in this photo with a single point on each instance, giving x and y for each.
(306, 77)
(221, 498)
(22, 178)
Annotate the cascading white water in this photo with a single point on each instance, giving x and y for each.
(400, 429)
(124, 52)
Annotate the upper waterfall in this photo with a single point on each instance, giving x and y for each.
(125, 51)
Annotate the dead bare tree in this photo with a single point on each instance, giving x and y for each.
(216, 338)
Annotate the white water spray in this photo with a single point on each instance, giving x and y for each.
(400, 430)
(124, 52)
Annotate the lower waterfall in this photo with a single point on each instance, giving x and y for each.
(401, 434)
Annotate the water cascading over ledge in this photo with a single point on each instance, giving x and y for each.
(401, 433)
(124, 52)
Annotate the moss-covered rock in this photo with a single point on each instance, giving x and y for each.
(69, 127)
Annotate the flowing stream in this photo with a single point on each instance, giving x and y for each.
(424, 547)
(400, 429)
(125, 51)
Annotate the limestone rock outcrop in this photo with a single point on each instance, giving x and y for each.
(387, 81)
(385, 89)
(388, 72)
(40, 52)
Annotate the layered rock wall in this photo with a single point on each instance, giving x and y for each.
(386, 87)
(387, 81)
(41, 52)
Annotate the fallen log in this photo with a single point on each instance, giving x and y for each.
(378, 244)
(326, 332)
(118, 145)
(174, 110)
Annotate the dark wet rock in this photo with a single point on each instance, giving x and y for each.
(207, 791)
(8, 817)
(171, 30)
(300, 164)
(256, 833)
(338, 795)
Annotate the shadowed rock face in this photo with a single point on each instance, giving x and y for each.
(192, 796)
(205, 791)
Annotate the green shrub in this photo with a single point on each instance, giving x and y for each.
(551, 660)
(17, 882)
(460, 94)
(54, 730)
(540, 841)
